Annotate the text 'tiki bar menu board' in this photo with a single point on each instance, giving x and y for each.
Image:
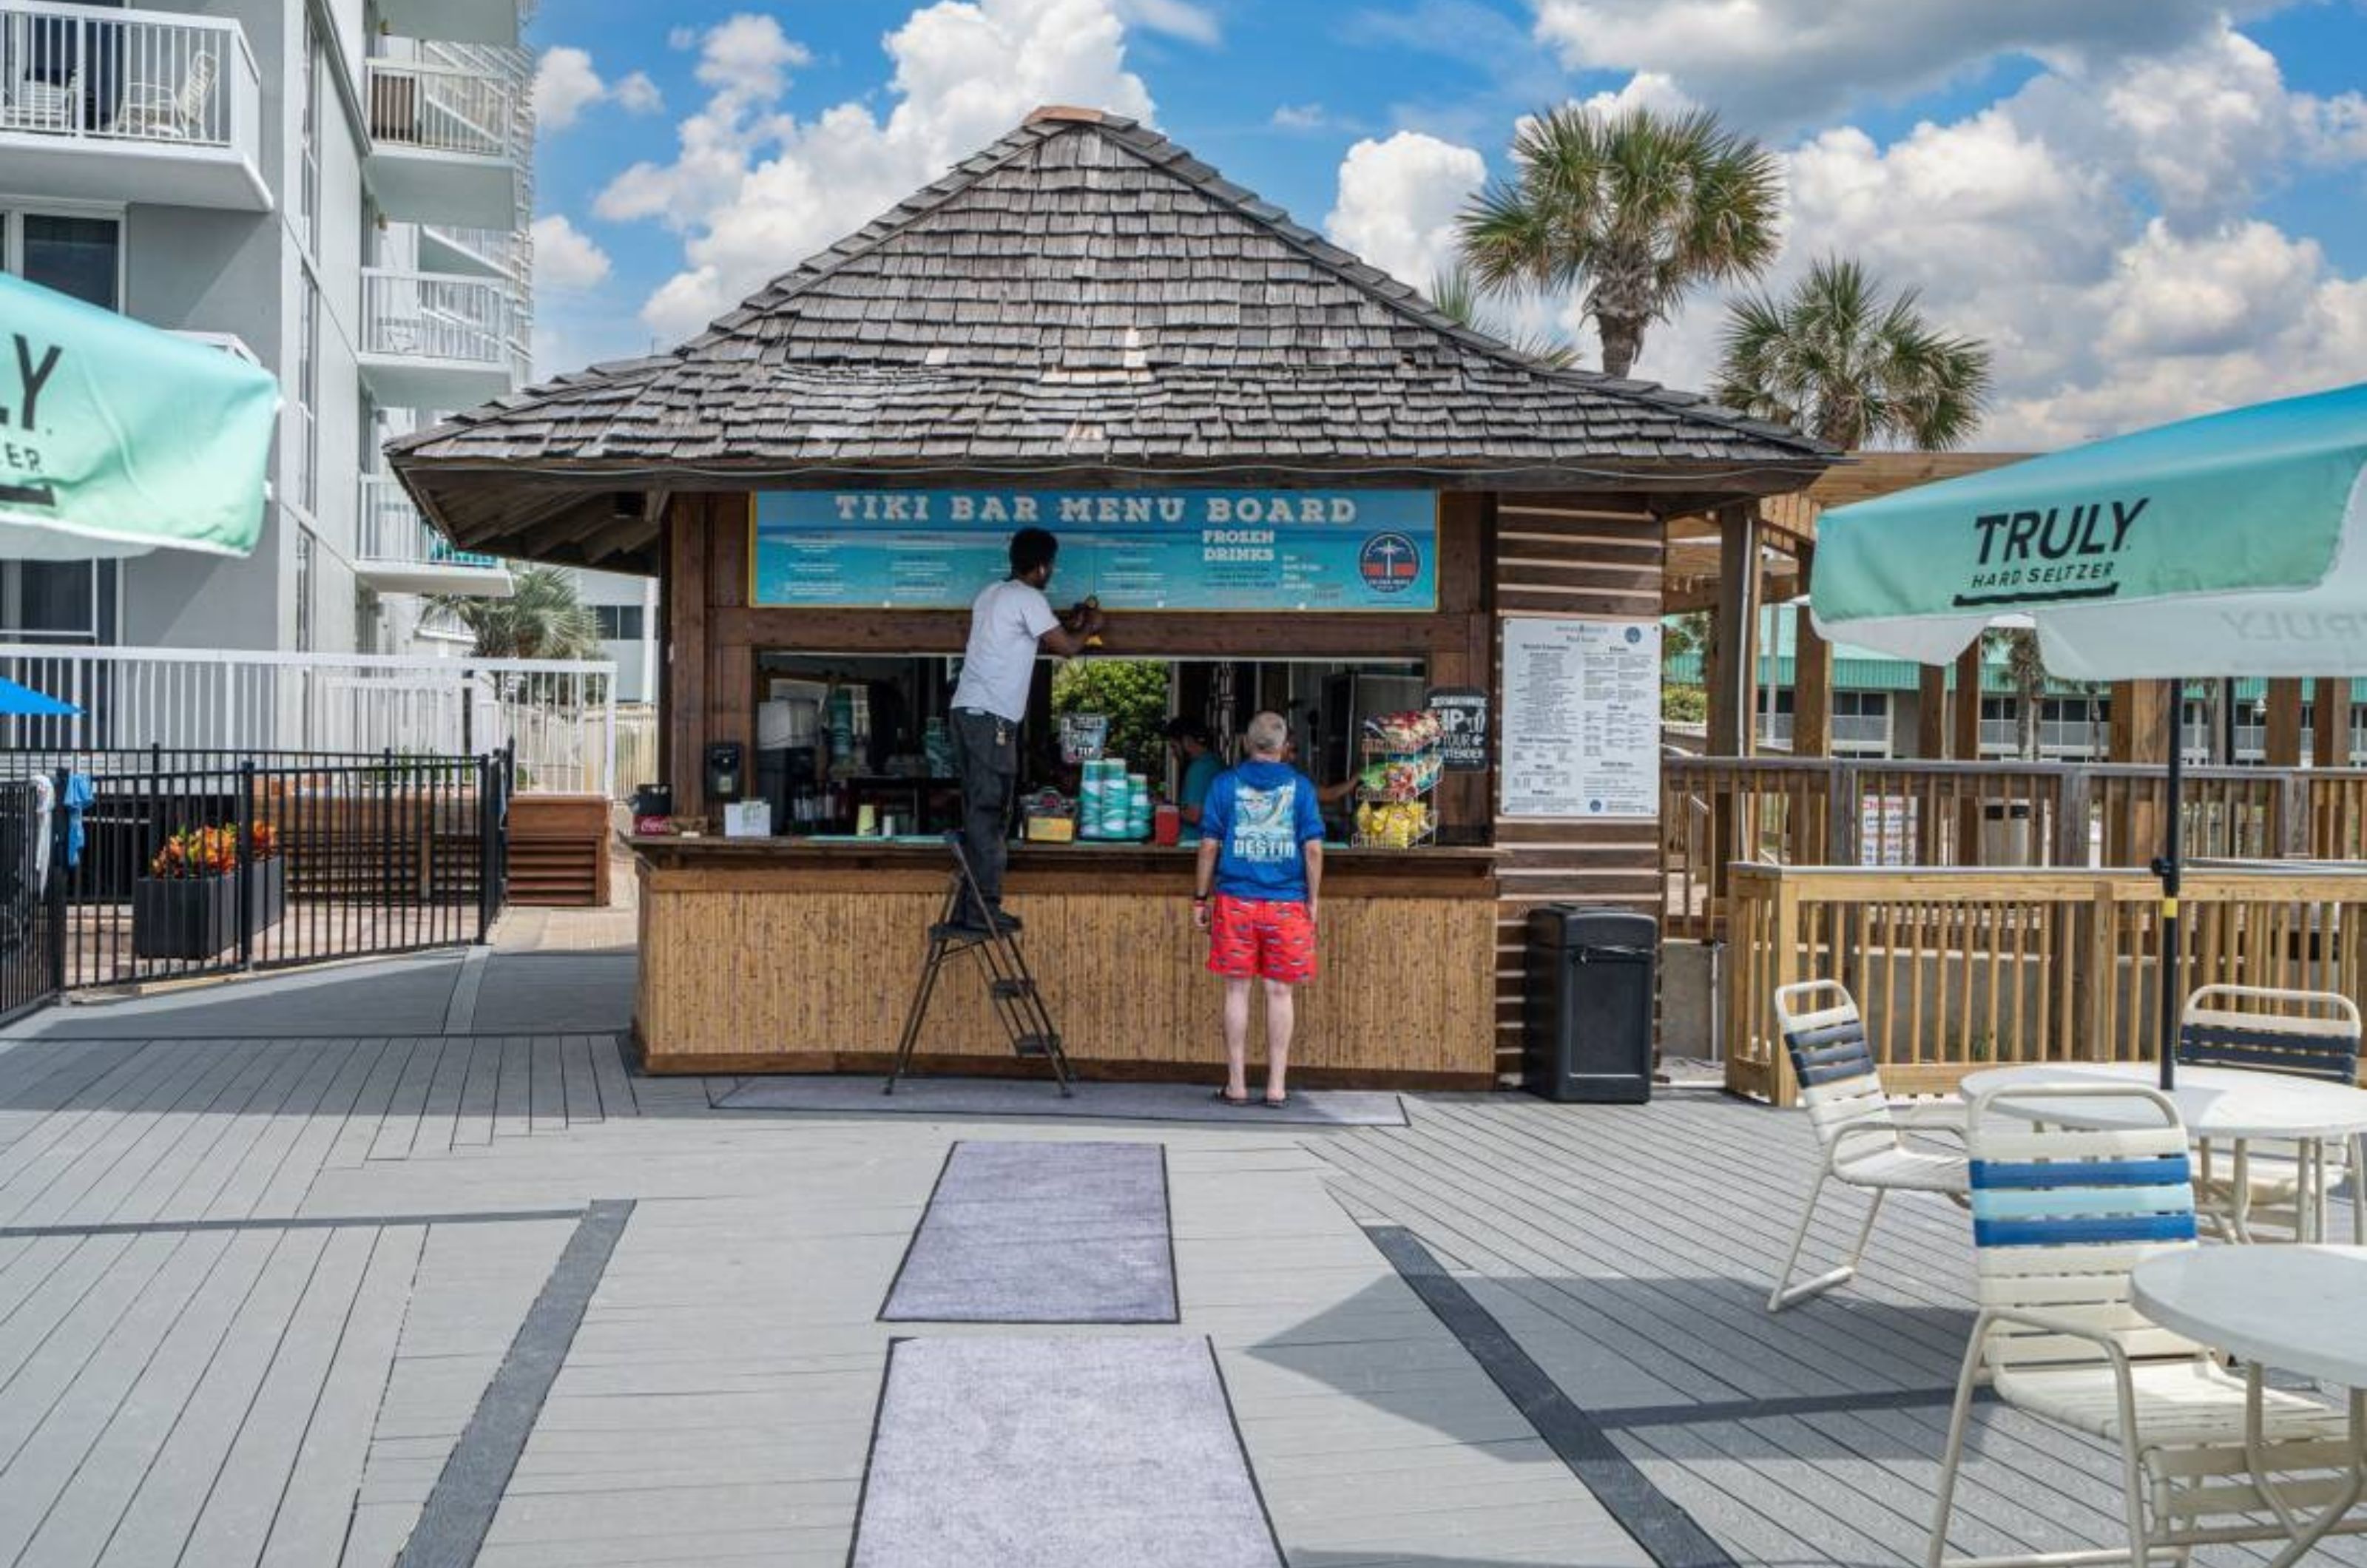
(1166, 550)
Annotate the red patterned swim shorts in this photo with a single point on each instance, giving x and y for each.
(1268, 938)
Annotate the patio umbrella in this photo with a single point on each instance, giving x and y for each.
(23, 702)
(2233, 544)
(116, 438)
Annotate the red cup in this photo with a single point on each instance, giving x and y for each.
(1166, 825)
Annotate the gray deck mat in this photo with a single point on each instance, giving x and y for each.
(1058, 1453)
(1036, 1097)
(1042, 1233)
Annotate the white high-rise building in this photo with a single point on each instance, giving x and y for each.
(340, 189)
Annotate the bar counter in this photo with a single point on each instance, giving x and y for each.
(800, 955)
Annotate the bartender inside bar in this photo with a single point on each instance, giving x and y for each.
(1112, 750)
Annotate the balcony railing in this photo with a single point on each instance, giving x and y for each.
(103, 74)
(438, 110)
(393, 532)
(469, 320)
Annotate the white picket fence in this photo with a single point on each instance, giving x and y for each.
(561, 715)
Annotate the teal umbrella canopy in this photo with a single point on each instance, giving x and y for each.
(116, 438)
(19, 701)
(2227, 545)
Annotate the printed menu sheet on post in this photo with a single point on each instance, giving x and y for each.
(1582, 719)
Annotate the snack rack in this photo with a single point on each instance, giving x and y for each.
(1399, 767)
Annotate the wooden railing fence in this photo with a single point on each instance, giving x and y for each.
(1717, 811)
(1967, 968)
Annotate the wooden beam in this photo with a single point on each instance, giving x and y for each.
(1734, 698)
(2280, 748)
(1812, 689)
(1965, 717)
(2330, 739)
(686, 650)
(2139, 733)
(1931, 713)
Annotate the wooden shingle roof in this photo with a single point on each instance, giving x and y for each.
(1081, 303)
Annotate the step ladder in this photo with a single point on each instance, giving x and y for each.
(1018, 1002)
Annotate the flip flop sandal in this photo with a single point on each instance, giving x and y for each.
(1229, 1100)
(1273, 1105)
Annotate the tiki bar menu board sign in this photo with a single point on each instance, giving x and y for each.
(1582, 719)
(1165, 550)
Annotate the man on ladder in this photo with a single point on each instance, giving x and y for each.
(1010, 623)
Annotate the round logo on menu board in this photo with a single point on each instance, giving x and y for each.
(1389, 563)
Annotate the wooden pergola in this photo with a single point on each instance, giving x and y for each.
(1732, 561)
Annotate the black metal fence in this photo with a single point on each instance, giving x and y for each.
(29, 924)
(192, 862)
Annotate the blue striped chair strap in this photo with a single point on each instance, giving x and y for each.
(1849, 1031)
(2084, 1230)
(1830, 1066)
(2157, 1171)
(2333, 1057)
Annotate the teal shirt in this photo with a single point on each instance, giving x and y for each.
(1198, 774)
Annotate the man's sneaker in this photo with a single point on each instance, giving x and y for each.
(1008, 921)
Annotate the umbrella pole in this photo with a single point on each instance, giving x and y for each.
(2168, 962)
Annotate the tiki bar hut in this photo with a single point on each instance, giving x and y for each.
(1291, 483)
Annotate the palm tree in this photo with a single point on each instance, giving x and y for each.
(2027, 671)
(1836, 358)
(1455, 294)
(1642, 207)
(543, 618)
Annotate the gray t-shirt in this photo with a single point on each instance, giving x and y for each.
(1005, 620)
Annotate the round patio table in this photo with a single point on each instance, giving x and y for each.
(2231, 1105)
(2292, 1307)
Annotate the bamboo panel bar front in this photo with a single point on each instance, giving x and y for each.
(1962, 969)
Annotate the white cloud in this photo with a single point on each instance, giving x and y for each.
(565, 85)
(1298, 117)
(1788, 62)
(1654, 90)
(754, 190)
(1398, 200)
(1179, 18)
(638, 95)
(564, 257)
(682, 38)
(749, 55)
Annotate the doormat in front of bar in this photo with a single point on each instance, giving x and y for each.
(1058, 1453)
(1034, 1096)
(1042, 1233)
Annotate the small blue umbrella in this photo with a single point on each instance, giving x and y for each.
(23, 702)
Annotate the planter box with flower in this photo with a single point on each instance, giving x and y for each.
(187, 906)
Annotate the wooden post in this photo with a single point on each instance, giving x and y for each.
(1812, 690)
(2330, 744)
(686, 659)
(1964, 726)
(1965, 719)
(1931, 713)
(2140, 733)
(1733, 697)
(2281, 746)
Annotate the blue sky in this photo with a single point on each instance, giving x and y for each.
(2147, 207)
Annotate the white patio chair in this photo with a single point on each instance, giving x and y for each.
(1861, 1134)
(32, 104)
(2310, 1034)
(2060, 1218)
(157, 111)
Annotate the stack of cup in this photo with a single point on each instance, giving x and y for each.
(1138, 806)
(1089, 799)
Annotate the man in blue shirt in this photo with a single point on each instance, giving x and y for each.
(1195, 751)
(1260, 874)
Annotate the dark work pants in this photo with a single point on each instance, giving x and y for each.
(988, 770)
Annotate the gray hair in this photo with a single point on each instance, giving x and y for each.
(1268, 734)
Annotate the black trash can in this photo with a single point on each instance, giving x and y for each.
(1587, 1013)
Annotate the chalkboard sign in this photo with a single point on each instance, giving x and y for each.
(1463, 722)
